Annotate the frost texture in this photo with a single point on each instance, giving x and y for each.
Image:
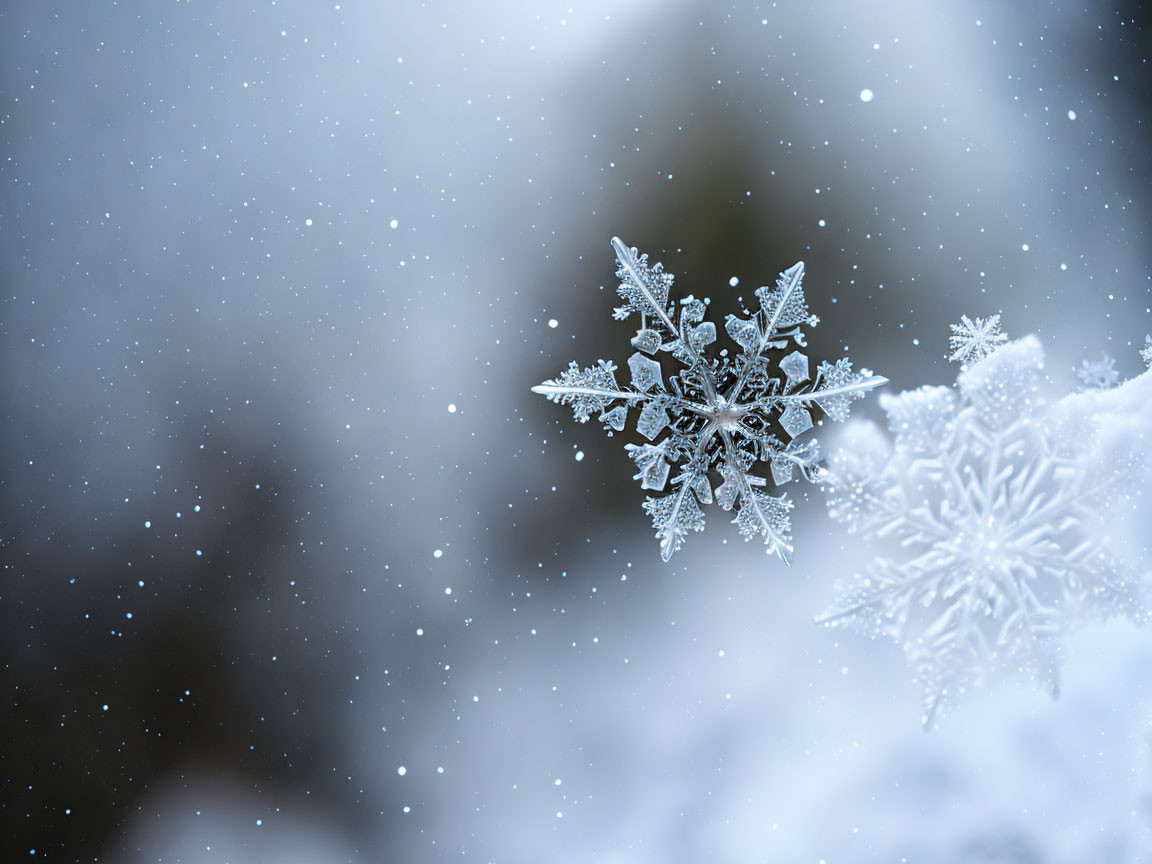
(990, 525)
(719, 415)
(974, 340)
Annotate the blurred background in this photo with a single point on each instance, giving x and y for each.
(294, 566)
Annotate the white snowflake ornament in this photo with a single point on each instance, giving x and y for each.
(718, 416)
(1098, 374)
(989, 534)
(974, 340)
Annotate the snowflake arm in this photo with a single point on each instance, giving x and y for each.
(719, 414)
(592, 389)
(972, 341)
(645, 288)
(673, 516)
(837, 386)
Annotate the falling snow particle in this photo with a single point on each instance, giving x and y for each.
(866, 95)
(1071, 115)
(579, 455)
(395, 223)
(553, 323)
(401, 770)
(451, 407)
(438, 553)
(308, 222)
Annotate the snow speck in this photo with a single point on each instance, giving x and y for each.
(438, 553)
(734, 281)
(308, 222)
(259, 822)
(1063, 266)
(821, 223)
(553, 323)
(419, 631)
(579, 455)
(448, 590)
(104, 707)
(148, 524)
(451, 407)
(1071, 114)
(1024, 247)
(401, 770)
(395, 223)
(866, 95)
(407, 809)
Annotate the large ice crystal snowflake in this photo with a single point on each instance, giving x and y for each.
(991, 529)
(974, 340)
(719, 415)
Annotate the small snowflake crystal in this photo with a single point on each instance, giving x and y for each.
(1146, 351)
(1098, 374)
(719, 415)
(989, 529)
(974, 340)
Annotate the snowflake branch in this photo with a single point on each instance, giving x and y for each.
(551, 389)
(627, 258)
(864, 384)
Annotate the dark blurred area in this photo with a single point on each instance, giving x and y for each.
(296, 568)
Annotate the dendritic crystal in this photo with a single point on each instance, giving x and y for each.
(718, 416)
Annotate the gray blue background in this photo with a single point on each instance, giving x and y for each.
(275, 278)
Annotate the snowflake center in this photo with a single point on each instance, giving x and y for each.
(988, 545)
(727, 414)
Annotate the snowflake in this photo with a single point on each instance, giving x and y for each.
(974, 340)
(1098, 374)
(1146, 351)
(719, 415)
(991, 530)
